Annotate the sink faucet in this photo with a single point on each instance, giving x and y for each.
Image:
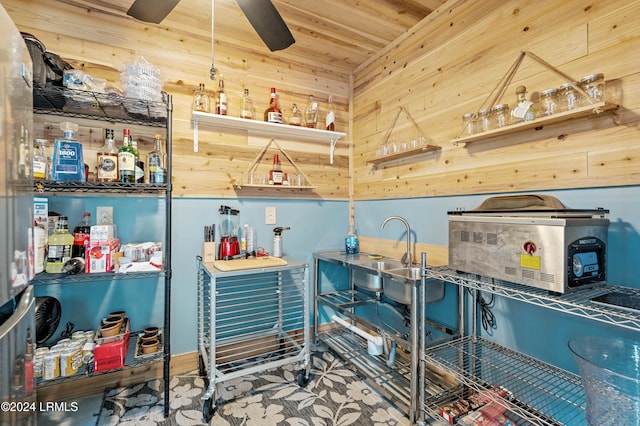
(407, 257)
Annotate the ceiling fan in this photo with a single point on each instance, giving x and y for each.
(261, 14)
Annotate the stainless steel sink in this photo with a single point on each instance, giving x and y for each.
(366, 274)
(398, 285)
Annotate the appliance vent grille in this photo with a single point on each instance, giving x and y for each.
(528, 274)
(464, 236)
(492, 239)
(478, 237)
(510, 270)
(549, 278)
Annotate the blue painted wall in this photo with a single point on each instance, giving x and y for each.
(540, 332)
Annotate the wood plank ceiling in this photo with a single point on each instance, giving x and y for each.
(337, 34)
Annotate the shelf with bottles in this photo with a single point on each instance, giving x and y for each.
(538, 123)
(58, 100)
(293, 181)
(583, 98)
(47, 186)
(390, 150)
(263, 128)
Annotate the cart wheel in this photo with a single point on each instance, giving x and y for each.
(208, 410)
(303, 378)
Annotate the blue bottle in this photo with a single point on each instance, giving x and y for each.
(68, 160)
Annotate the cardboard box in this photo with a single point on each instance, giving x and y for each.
(455, 411)
(100, 257)
(110, 352)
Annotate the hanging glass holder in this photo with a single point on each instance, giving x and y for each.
(396, 150)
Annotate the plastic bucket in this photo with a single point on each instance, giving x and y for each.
(610, 373)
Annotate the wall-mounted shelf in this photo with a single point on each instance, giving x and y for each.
(263, 128)
(404, 154)
(279, 187)
(538, 123)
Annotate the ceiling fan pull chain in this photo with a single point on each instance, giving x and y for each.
(212, 71)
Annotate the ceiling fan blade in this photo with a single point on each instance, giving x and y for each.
(268, 23)
(153, 11)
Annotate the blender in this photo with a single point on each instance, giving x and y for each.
(229, 226)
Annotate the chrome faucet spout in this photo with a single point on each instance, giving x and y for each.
(406, 223)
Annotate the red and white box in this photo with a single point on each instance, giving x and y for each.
(100, 257)
(110, 352)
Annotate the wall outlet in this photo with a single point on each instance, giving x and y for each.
(104, 215)
(270, 215)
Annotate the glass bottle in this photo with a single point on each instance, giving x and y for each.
(594, 85)
(275, 174)
(549, 101)
(311, 113)
(201, 100)
(221, 98)
(296, 117)
(351, 244)
(127, 158)
(81, 234)
(568, 97)
(273, 113)
(107, 165)
(499, 116)
(246, 109)
(156, 162)
(68, 157)
(40, 171)
(331, 116)
(139, 169)
(524, 110)
(483, 121)
(59, 247)
(468, 124)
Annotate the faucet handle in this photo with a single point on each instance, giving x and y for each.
(405, 259)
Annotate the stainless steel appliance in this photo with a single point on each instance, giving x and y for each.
(532, 240)
(17, 320)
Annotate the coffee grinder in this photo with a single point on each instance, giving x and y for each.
(229, 226)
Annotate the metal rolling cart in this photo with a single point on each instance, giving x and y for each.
(251, 320)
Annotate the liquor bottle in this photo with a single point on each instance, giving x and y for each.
(81, 234)
(40, 171)
(524, 110)
(311, 113)
(296, 117)
(273, 113)
(201, 100)
(68, 157)
(107, 166)
(331, 116)
(127, 158)
(246, 109)
(156, 162)
(221, 98)
(59, 247)
(275, 174)
(139, 169)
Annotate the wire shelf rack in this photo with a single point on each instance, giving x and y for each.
(99, 187)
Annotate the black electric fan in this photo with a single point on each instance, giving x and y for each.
(262, 15)
(48, 314)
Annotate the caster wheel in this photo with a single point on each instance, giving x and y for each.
(208, 410)
(201, 371)
(303, 379)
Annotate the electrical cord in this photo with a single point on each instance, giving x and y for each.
(488, 319)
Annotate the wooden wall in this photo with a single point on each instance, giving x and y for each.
(100, 42)
(448, 65)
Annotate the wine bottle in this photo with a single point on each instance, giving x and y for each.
(273, 113)
(221, 98)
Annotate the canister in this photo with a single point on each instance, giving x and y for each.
(594, 85)
(51, 366)
(70, 359)
(468, 124)
(568, 98)
(549, 101)
(483, 123)
(500, 116)
(38, 363)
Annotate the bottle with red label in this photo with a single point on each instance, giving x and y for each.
(81, 235)
(275, 174)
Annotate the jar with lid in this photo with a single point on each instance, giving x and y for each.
(593, 85)
(567, 98)
(549, 102)
(499, 116)
(483, 124)
(468, 124)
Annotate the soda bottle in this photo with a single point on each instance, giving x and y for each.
(81, 234)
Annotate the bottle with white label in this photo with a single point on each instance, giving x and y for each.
(59, 247)
(40, 171)
(273, 113)
(68, 159)
(127, 158)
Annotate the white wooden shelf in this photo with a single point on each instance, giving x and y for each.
(263, 128)
(540, 122)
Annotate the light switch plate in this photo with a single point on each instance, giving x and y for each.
(104, 215)
(270, 215)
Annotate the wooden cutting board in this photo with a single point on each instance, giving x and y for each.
(250, 263)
